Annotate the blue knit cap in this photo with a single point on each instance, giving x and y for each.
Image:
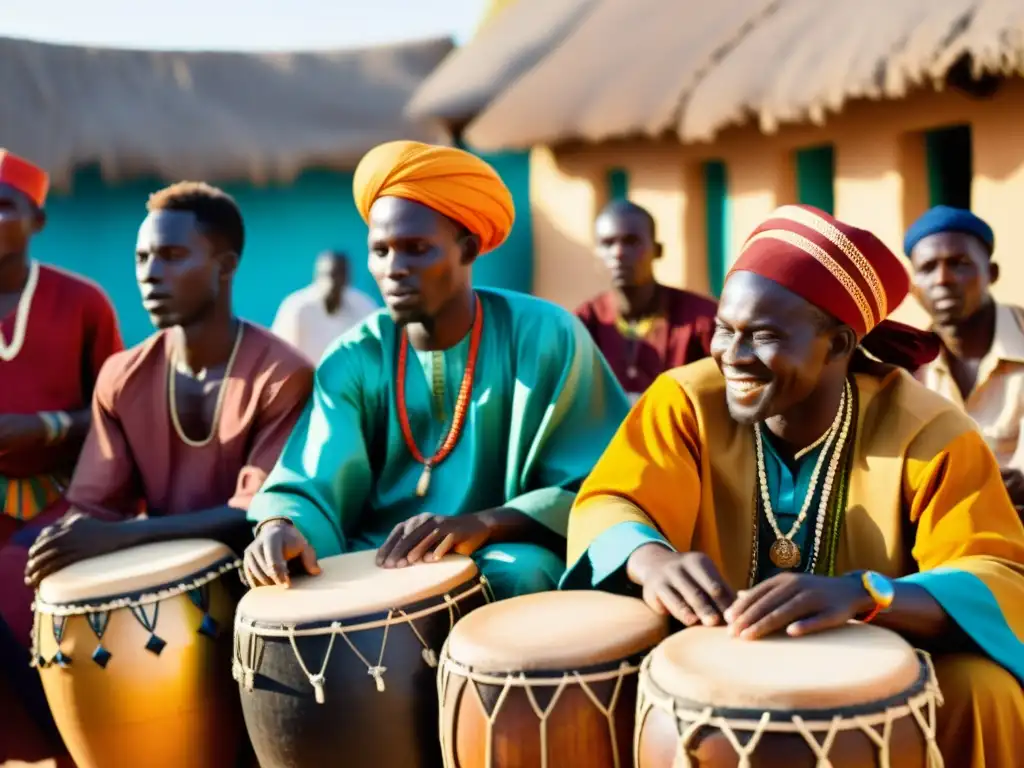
(943, 218)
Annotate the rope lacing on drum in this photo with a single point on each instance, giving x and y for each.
(922, 707)
(520, 680)
(245, 673)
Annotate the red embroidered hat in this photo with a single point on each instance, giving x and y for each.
(24, 176)
(845, 271)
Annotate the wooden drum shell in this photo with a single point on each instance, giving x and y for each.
(356, 725)
(658, 728)
(477, 706)
(171, 710)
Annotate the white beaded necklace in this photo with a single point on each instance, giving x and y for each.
(784, 553)
(9, 351)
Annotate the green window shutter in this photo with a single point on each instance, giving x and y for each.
(617, 180)
(815, 177)
(950, 166)
(716, 205)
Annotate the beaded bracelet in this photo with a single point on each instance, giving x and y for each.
(57, 424)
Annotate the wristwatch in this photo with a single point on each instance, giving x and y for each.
(881, 591)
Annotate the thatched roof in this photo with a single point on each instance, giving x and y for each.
(507, 45)
(208, 115)
(657, 67)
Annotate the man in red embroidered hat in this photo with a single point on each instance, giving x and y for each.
(56, 330)
(800, 479)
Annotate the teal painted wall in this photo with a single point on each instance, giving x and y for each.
(617, 180)
(92, 229)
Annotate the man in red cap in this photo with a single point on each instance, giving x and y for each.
(56, 330)
(801, 478)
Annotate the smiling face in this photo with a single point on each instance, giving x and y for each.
(420, 259)
(178, 269)
(774, 348)
(952, 272)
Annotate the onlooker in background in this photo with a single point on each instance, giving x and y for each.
(981, 367)
(314, 316)
(643, 328)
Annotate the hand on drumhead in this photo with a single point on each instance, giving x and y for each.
(428, 537)
(265, 562)
(797, 603)
(74, 537)
(685, 585)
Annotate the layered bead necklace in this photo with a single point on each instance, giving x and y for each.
(449, 440)
(784, 553)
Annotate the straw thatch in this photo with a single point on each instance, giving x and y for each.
(657, 67)
(509, 44)
(217, 116)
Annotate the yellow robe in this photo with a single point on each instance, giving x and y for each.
(926, 504)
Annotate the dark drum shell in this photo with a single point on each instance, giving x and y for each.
(658, 731)
(357, 725)
(502, 706)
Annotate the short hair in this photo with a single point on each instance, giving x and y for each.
(215, 210)
(621, 207)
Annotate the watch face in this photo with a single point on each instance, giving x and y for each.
(882, 588)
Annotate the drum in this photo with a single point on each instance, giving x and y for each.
(852, 697)
(545, 681)
(133, 659)
(342, 666)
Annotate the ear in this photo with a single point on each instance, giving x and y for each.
(993, 272)
(470, 245)
(228, 261)
(659, 249)
(39, 223)
(844, 343)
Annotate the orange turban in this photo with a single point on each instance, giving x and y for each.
(453, 182)
(29, 179)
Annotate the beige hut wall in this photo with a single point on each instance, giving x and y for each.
(880, 183)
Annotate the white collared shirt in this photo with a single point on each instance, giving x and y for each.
(303, 321)
(997, 401)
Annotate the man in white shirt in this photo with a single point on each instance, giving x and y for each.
(314, 316)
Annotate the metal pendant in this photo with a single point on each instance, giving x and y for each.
(785, 554)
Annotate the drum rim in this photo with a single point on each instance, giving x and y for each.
(155, 594)
(924, 689)
(590, 673)
(396, 615)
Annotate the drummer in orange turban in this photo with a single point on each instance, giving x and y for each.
(482, 410)
(453, 182)
(798, 479)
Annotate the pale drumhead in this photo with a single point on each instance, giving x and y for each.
(354, 585)
(132, 571)
(856, 664)
(555, 631)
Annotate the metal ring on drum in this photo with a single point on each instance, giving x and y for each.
(545, 680)
(854, 697)
(345, 663)
(133, 659)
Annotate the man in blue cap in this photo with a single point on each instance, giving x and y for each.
(981, 366)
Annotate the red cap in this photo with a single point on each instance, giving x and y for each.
(847, 272)
(24, 176)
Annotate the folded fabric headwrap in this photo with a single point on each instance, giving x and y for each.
(30, 179)
(943, 218)
(844, 271)
(453, 182)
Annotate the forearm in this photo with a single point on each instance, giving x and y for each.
(917, 616)
(645, 560)
(506, 525)
(227, 525)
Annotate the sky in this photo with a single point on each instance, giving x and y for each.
(263, 25)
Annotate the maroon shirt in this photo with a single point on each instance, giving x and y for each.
(681, 335)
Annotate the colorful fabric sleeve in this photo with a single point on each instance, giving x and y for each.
(969, 545)
(561, 420)
(323, 478)
(282, 405)
(645, 488)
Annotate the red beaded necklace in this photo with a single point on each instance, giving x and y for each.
(461, 403)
